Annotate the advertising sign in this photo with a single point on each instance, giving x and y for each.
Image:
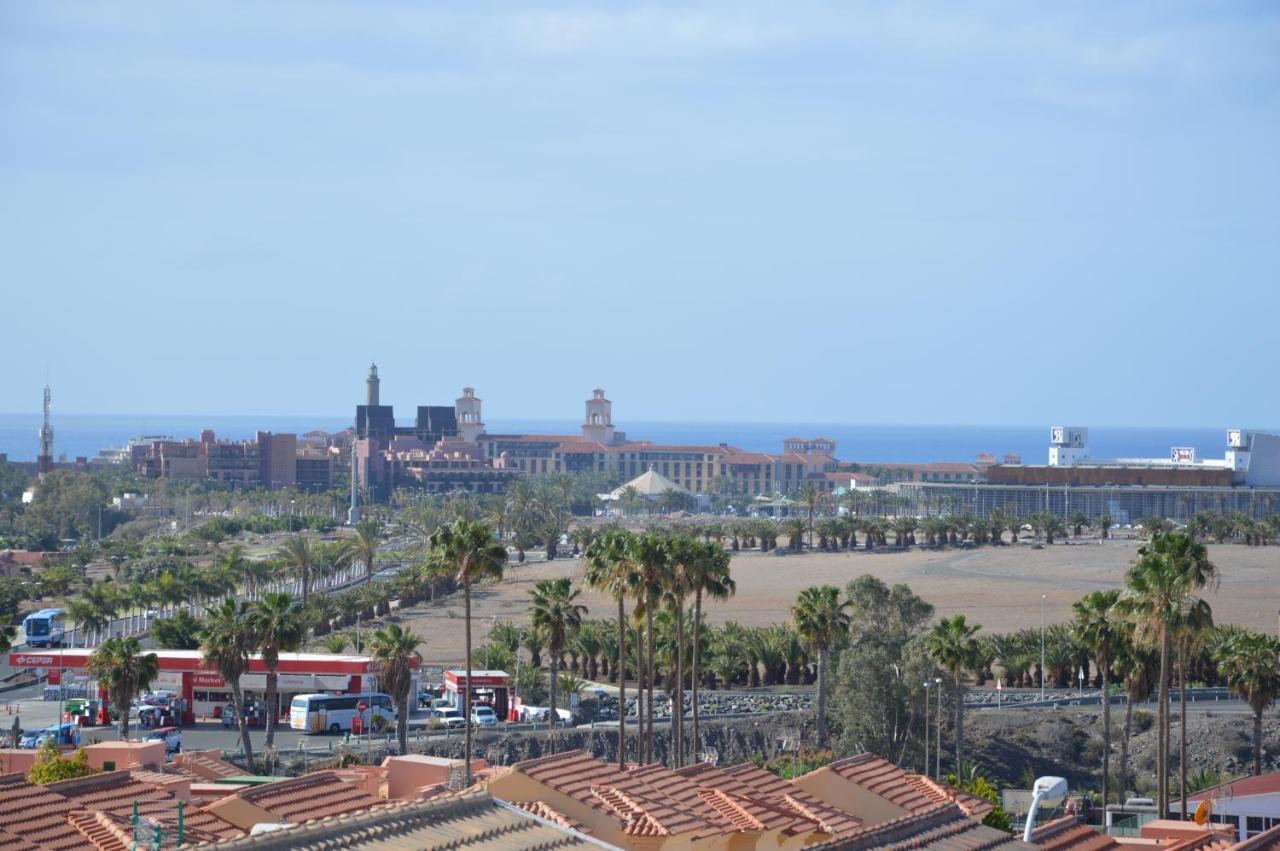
(1183, 454)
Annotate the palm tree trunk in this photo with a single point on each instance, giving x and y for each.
(1182, 732)
(823, 655)
(1124, 749)
(243, 723)
(1105, 665)
(273, 687)
(555, 668)
(466, 692)
(124, 716)
(677, 709)
(697, 640)
(640, 713)
(1162, 746)
(622, 684)
(1257, 742)
(959, 722)
(648, 627)
(402, 724)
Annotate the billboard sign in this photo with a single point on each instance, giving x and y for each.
(1183, 455)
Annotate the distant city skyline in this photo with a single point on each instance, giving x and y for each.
(814, 211)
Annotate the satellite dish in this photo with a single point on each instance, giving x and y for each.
(1204, 811)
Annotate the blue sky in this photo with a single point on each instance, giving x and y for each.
(859, 212)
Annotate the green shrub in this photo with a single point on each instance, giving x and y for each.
(50, 767)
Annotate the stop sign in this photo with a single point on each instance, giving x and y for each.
(361, 706)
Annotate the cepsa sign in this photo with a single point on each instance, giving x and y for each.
(27, 660)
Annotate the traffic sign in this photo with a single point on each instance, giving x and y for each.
(361, 706)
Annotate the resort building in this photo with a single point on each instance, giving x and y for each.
(1246, 479)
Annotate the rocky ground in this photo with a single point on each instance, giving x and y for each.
(1014, 745)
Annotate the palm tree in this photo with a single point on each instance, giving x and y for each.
(810, 497)
(1249, 662)
(611, 569)
(1098, 628)
(228, 640)
(469, 549)
(300, 561)
(394, 651)
(1159, 586)
(120, 665)
(652, 559)
(1194, 627)
(362, 548)
(822, 619)
(1138, 665)
(676, 589)
(952, 646)
(708, 577)
(553, 611)
(279, 627)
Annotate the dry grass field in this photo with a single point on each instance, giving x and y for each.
(999, 588)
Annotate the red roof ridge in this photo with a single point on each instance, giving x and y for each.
(543, 810)
(724, 803)
(638, 821)
(100, 829)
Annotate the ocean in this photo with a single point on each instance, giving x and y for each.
(86, 434)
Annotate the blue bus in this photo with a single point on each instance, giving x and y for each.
(44, 628)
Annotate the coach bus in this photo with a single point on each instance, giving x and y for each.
(44, 628)
(319, 713)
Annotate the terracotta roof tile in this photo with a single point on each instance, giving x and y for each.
(543, 810)
(943, 827)
(911, 792)
(1069, 832)
(114, 792)
(1268, 840)
(312, 796)
(35, 814)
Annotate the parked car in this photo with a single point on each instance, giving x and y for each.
(171, 736)
(484, 716)
(63, 734)
(449, 716)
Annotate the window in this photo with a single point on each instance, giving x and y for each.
(1254, 824)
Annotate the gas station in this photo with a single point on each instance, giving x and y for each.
(202, 691)
(489, 687)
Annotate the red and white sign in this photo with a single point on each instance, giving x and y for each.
(29, 660)
(362, 706)
(207, 681)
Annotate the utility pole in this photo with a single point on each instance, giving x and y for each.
(1043, 597)
(937, 752)
(927, 734)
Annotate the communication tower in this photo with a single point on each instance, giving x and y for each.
(44, 461)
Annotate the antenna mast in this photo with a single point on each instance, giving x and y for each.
(44, 462)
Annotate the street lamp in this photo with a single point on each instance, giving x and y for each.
(1043, 597)
(937, 752)
(927, 684)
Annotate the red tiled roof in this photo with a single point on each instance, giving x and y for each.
(36, 815)
(115, 792)
(1259, 784)
(1070, 834)
(943, 828)
(766, 785)
(543, 810)
(912, 792)
(1268, 840)
(312, 796)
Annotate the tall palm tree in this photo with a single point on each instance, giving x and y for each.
(609, 568)
(652, 558)
(279, 626)
(468, 548)
(1097, 626)
(1138, 666)
(708, 577)
(229, 639)
(552, 609)
(952, 646)
(394, 651)
(362, 548)
(822, 619)
(300, 560)
(121, 666)
(1193, 629)
(1158, 590)
(684, 552)
(1249, 662)
(810, 497)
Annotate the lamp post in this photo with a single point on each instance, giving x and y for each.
(1080, 677)
(927, 684)
(937, 751)
(1043, 597)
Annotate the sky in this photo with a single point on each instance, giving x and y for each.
(803, 211)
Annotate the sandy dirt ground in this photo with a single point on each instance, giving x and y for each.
(999, 588)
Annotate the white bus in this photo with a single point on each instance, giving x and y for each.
(318, 713)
